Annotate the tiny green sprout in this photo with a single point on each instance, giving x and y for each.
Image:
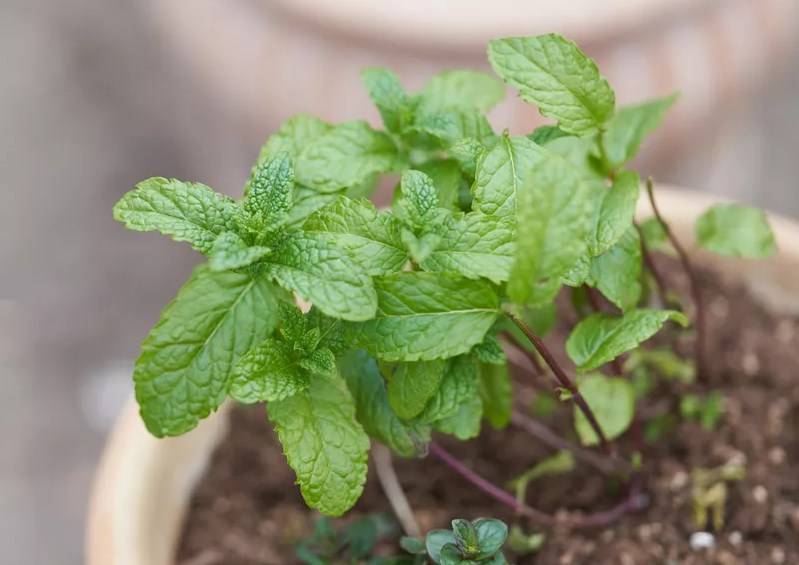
(709, 493)
(706, 410)
(522, 543)
(560, 463)
(355, 543)
(478, 542)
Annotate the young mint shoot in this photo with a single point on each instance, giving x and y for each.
(353, 324)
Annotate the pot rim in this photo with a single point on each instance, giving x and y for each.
(140, 495)
(434, 24)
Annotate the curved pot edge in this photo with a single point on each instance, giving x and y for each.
(140, 495)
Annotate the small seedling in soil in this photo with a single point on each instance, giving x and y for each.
(468, 543)
(409, 312)
(353, 544)
(709, 493)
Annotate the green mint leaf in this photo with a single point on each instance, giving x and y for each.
(185, 211)
(268, 194)
(309, 341)
(490, 351)
(615, 213)
(579, 151)
(185, 364)
(544, 134)
(292, 137)
(411, 385)
(420, 247)
(372, 238)
(446, 177)
(293, 323)
(419, 201)
(553, 222)
(554, 74)
(307, 201)
(474, 245)
(612, 400)
(436, 540)
(414, 546)
(462, 88)
(500, 172)
(600, 338)
(323, 274)
(451, 555)
(666, 363)
(269, 371)
(424, 316)
(366, 384)
(654, 236)
(459, 385)
(577, 274)
(735, 231)
(347, 155)
(320, 362)
(707, 411)
(497, 394)
(324, 444)
(617, 272)
(331, 331)
(450, 125)
(465, 536)
(466, 153)
(392, 102)
(491, 536)
(464, 424)
(229, 252)
(630, 126)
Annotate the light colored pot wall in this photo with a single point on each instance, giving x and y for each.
(269, 59)
(144, 485)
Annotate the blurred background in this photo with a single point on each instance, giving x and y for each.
(95, 96)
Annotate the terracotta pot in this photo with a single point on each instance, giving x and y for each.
(268, 59)
(143, 485)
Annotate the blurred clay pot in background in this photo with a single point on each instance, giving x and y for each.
(268, 59)
(144, 485)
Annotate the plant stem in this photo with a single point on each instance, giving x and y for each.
(633, 502)
(563, 379)
(539, 370)
(490, 488)
(696, 294)
(384, 467)
(535, 428)
(653, 269)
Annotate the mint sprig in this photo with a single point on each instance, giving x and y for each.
(411, 306)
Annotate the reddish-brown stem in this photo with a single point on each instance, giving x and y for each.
(696, 294)
(563, 379)
(539, 370)
(490, 488)
(633, 502)
(649, 262)
(541, 432)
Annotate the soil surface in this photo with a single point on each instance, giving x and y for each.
(246, 510)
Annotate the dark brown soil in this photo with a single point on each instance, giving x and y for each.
(247, 511)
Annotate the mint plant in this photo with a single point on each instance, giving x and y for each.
(404, 313)
(478, 542)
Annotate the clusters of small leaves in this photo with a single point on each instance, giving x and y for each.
(355, 543)
(401, 338)
(478, 542)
